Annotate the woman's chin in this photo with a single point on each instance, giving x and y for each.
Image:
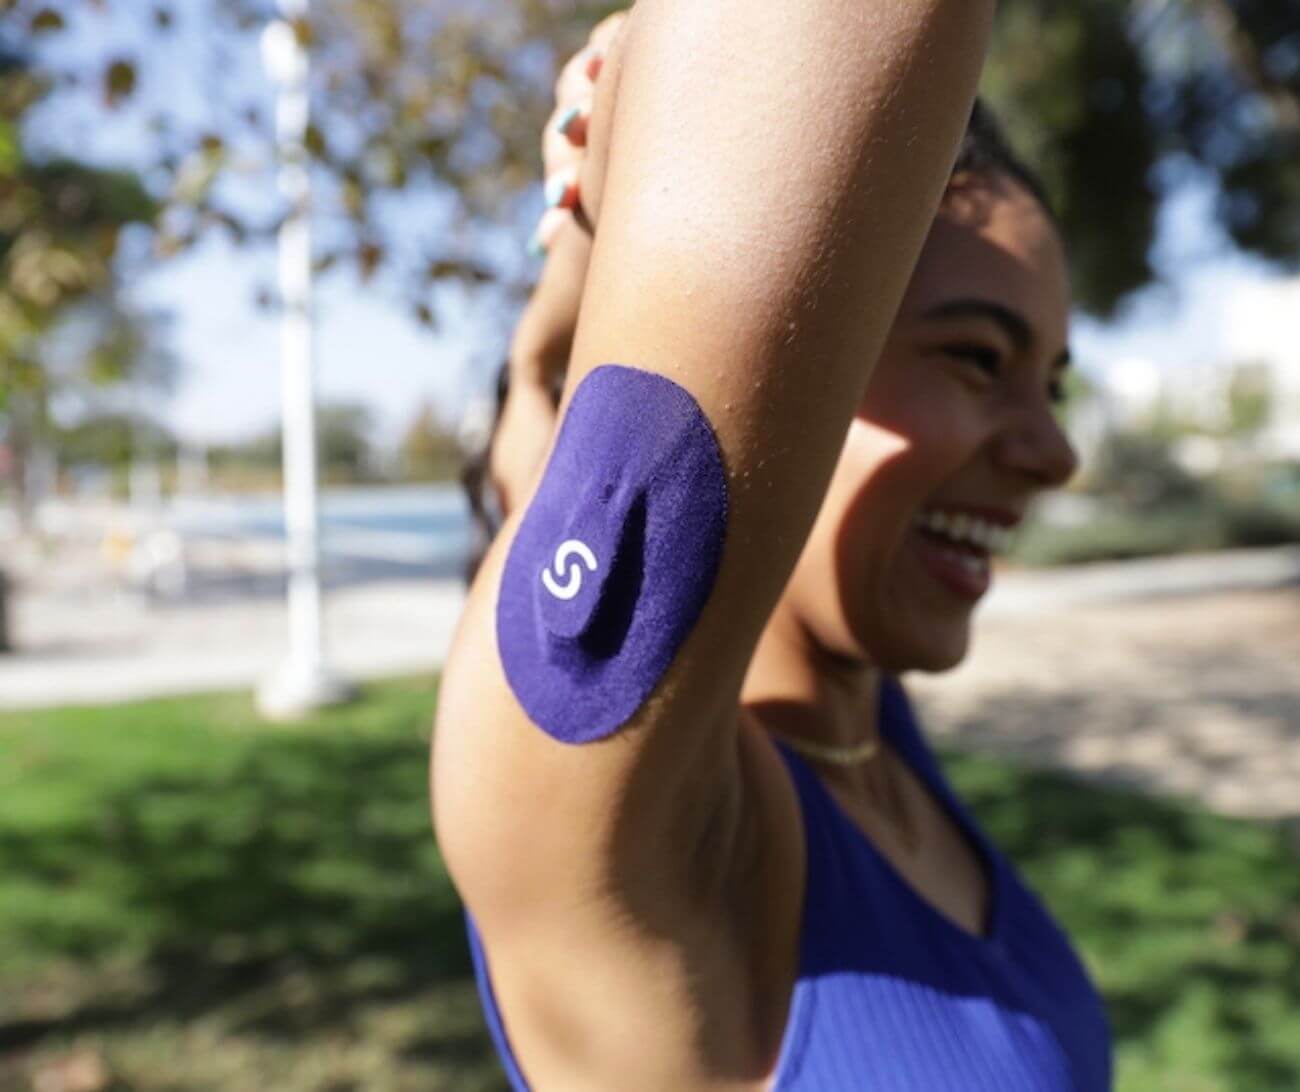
(933, 652)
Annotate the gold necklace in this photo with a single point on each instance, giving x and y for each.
(837, 756)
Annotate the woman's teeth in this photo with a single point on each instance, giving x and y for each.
(963, 528)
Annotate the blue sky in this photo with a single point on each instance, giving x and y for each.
(369, 350)
(1191, 317)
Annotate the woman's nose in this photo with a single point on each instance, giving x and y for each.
(1034, 444)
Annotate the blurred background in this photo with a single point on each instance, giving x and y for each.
(196, 895)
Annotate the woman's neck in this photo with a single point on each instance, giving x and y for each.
(801, 690)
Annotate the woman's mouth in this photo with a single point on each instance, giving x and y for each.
(956, 547)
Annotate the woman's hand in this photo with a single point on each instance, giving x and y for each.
(573, 177)
(543, 339)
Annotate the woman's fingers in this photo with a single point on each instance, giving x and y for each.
(578, 75)
(563, 196)
(609, 28)
(573, 89)
(553, 221)
(561, 190)
(564, 140)
(571, 122)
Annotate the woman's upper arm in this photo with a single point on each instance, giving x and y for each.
(771, 172)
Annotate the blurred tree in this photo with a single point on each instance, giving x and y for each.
(6, 645)
(343, 434)
(1250, 400)
(1120, 101)
(429, 450)
(112, 440)
(1117, 99)
(408, 99)
(60, 223)
(89, 355)
(344, 450)
(1137, 470)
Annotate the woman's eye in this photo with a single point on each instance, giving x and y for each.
(985, 359)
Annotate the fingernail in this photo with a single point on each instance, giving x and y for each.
(565, 121)
(594, 65)
(561, 191)
(536, 248)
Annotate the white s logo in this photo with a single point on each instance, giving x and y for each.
(573, 584)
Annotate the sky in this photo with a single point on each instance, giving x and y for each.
(1211, 307)
(368, 350)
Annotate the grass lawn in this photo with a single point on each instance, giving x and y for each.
(206, 902)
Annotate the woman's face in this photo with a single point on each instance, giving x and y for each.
(955, 437)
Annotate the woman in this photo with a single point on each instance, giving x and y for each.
(758, 878)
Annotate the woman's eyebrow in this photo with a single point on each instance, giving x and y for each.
(1014, 324)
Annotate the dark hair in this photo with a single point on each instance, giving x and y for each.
(484, 507)
(984, 150)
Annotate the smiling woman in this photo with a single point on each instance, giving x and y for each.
(953, 438)
(748, 872)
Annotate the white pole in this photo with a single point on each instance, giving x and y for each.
(304, 682)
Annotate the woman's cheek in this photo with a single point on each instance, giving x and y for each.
(872, 443)
(939, 427)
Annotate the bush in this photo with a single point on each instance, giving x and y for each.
(1261, 524)
(1119, 534)
(1139, 471)
(1149, 505)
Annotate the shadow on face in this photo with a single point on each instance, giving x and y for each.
(956, 435)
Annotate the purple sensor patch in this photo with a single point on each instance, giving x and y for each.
(616, 555)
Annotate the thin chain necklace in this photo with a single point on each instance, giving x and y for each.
(836, 756)
(851, 756)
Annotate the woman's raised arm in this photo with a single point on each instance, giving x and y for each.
(771, 172)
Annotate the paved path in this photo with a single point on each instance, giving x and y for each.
(1196, 696)
(84, 648)
(1039, 591)
(1181, 675)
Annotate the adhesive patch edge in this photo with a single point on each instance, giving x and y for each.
(616, 555)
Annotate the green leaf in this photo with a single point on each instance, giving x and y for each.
(10, 153)
(369, 257)
(314, 141)
(45, 20)
(119, 81)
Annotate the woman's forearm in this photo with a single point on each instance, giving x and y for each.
(543, 339)
(539, 358)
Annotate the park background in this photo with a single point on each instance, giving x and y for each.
(194, 897)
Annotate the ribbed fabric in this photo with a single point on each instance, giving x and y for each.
(891, 995)
(894, 997)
